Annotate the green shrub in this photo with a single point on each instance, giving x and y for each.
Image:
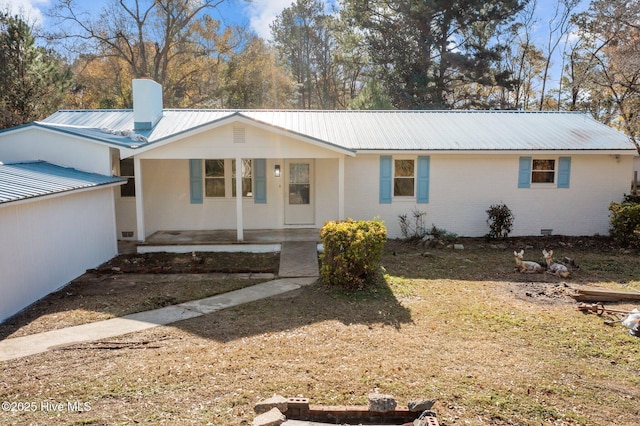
(634, 197)
(442, 234)
(500, 221)
(352, 252)
(625, 223)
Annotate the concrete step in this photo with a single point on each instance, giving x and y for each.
(299, 259)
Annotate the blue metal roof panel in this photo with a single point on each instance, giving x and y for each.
(22, 181)
(376, 130)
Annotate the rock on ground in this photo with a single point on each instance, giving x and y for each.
(276, 401)
(421, 405)
(379, 403)
(272, 417)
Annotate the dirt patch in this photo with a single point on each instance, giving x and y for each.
(138, 282)
(191, 263)
(541, 292)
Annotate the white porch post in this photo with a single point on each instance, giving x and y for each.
(341, 188)
(239, 218)
(137, 173)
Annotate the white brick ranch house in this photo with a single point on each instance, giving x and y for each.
(298, 169)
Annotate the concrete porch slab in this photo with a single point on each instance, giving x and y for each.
(229, 236)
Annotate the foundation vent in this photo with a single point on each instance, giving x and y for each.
(546, 231)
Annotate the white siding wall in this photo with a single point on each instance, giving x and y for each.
(32, 144)
(463, 187)
(219, 143)
(326, 191)
(46, 244)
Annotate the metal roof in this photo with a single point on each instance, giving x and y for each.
(371, 130)
(21, 181)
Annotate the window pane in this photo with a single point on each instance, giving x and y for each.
(542, 177)
(544, 164)
(126, 167)
(214, 187)
(403, 187)
(246, 178)
(214, 168)
(128, 189)
(299, 193)
(299, 173)
(404, 168)
(246, 187)
(126, 170)
(543, 171)
(246, 168)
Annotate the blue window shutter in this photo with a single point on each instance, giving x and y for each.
(195, 181)
(386, 179)
(260, 181)
(423, 179)
(564, 172)
(524, 175)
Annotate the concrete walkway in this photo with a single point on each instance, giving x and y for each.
(298, 261)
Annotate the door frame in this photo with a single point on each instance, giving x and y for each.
(303, 216)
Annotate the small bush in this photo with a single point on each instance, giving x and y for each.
(625, 223)
(442, 234)
(352, 252)
(632, 198)
(500, 221)
(413, 228)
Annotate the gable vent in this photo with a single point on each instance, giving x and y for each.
(238, 135)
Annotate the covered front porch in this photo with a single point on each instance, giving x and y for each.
(239, 175)
(255, 240)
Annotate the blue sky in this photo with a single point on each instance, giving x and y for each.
(257, 14)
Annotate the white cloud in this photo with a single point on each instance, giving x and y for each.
(29, 10)
(261, 14)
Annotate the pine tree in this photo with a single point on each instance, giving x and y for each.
(424, 50)
(33, 81)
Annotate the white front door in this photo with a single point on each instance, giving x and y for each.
(299, 206)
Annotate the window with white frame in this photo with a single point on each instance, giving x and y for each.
(220, 178)
(214, 180)
(543, 171)
(403, 178)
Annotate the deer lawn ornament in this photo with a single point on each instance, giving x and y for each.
(553, 267)
(525, 266)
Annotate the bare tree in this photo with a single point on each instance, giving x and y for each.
(559, 26)
(611, 33)
(150, 36)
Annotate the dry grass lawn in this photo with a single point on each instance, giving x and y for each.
(492, 346)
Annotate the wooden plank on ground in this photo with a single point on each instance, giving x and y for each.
(604, 295)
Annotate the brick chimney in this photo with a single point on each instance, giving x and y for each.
(147, 103)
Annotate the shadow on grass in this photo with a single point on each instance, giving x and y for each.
(91, 298)
(374, 307)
